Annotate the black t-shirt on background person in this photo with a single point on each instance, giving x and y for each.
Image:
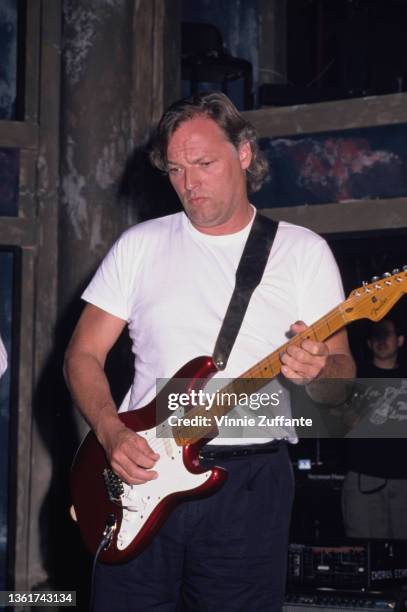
(377, 444)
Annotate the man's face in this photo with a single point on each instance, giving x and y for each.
(385, 342)
(208, 174)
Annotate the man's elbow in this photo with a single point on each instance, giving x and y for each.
(79, 357)
(75, 359)
(68, 365)
(349, 367)
(335, 384)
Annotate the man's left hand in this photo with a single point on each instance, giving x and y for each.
(305, 362)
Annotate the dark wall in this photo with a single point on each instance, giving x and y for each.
(9, 175)
(357, 46)
(238, 21)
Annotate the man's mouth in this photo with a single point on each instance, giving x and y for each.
(196, 200)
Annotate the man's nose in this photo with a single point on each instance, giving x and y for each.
(191, 178)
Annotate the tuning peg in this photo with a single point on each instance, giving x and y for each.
(404, 268)
(395, 271)
(386, 275)
(375, 279)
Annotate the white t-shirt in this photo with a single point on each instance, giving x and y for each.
(173, 283)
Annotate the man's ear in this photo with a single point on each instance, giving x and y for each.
(245, 154)
(400, 340)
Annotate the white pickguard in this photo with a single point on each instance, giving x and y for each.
(139, 501)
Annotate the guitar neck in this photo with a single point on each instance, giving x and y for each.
(254, 379)
(270, 366)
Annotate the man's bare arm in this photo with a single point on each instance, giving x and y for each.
(325, 367)
(95, 334)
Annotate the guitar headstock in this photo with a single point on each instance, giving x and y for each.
(374, 300)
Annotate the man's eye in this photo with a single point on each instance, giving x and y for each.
(206, 163)
(174, 170)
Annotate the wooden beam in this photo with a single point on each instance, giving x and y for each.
(32, 60)
(171, 42)
(22, 468)
(272, 41)
(330, 116)
(17, 232)
(15, 134)
(44, 276)
(156, 62)
(352, 216)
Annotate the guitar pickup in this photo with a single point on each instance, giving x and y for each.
(114, 485)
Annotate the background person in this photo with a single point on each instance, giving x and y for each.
(374, 495)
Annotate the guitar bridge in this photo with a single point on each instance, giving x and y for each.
(114, 485)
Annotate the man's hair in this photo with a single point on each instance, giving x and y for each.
(219, 108)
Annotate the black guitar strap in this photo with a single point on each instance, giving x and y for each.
(248, 275)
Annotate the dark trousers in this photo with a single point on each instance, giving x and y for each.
(224, 553)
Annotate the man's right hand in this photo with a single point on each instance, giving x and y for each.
(129, 455)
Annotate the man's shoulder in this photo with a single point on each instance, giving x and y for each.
(153, 228)
(298, 235)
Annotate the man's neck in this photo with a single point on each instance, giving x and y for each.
(232, 225)
(390, 363)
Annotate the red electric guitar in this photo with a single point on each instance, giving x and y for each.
(126, 517)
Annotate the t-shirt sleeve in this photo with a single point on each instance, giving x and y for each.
(110, 287)
(321, 283)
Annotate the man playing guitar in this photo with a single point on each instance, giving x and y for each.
(171, 280)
